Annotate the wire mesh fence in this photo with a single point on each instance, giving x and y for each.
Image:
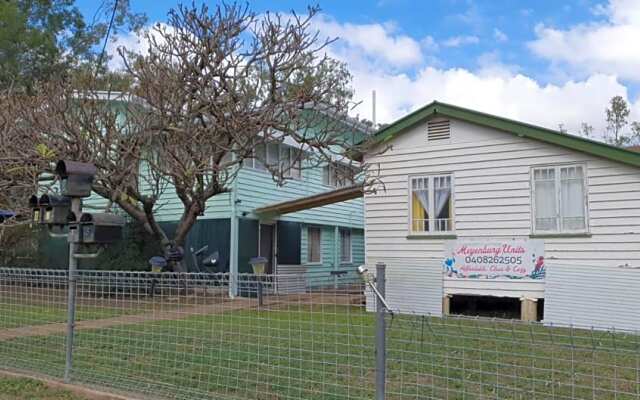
(181, 336)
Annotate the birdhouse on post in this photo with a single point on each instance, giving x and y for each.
(36, 210)
(75, 178)
(55, 209)
(100, 228)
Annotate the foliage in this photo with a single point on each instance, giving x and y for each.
(617, 115)
(19, 246)
(130, 254)
(586, 129)
(40, 39)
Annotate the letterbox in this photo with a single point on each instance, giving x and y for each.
(55, 209)
(36, 210)
(74, 228)
(100, 228)
(75, 178)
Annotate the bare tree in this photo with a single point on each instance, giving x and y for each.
(22, 158)
(214, 86)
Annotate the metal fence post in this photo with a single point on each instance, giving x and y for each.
(76, 207)
(381, 331)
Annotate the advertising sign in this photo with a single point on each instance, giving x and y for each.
(494, 258)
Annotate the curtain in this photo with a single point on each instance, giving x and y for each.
(442, 192)
(420, 204)
(572, 198)
(545, 200)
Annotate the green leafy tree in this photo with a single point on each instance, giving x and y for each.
(586, 129)
(635, 130)
(43, 38)
(617, 114)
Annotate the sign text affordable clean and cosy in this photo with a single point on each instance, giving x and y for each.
(495, 258)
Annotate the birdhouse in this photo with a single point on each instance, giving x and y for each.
(74, 228)
(55, 209)
(100, 228)
(36, 210)
(75, 178)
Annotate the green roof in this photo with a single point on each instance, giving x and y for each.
(518, 128)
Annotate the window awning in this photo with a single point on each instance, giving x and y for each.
(316, 200)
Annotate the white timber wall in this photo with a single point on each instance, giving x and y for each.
(410, 289)
(598, 297)
(492, 198)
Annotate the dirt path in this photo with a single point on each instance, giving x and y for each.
(186, 311)
(177, 314)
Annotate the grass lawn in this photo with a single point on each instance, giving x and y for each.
(16, 315)
(328, 353)
(25, 309)
(29, 389)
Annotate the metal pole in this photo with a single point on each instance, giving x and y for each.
(76, 207)
(381, 331)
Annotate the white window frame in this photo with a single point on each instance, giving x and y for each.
(309, 262)
(340, 232)
(557, 187)
(333, 177)
(431, 204)
(252, 163)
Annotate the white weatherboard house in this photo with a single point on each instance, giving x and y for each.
(493, 205)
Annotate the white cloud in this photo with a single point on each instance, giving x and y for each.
(378, 57)
(609, 46)
(457, 41)
(499, 36)
(132, 41)
(379, 42)
(429, 43)
(489, 64)
(506, 94)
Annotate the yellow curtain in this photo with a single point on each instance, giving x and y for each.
(418, 214)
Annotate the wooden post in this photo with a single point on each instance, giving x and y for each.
(446, 304)
(528, 309)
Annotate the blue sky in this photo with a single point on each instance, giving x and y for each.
(545, 62)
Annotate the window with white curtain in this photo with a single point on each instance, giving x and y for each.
(560, 199)
(345, 246)
(314, 245)
(431, 204)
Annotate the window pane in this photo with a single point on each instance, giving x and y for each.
(273, 154)
(546, 214)
(326, 175)
(442, 200)
(420, 204)
(296, 169)
(313, 246)
(261, 156)
(345, 245)
(572, 198)
(285, 162)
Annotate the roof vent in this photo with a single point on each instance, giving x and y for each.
(438, 130)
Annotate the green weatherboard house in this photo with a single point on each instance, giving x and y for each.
(312, 224)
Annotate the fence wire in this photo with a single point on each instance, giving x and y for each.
(181, 336)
